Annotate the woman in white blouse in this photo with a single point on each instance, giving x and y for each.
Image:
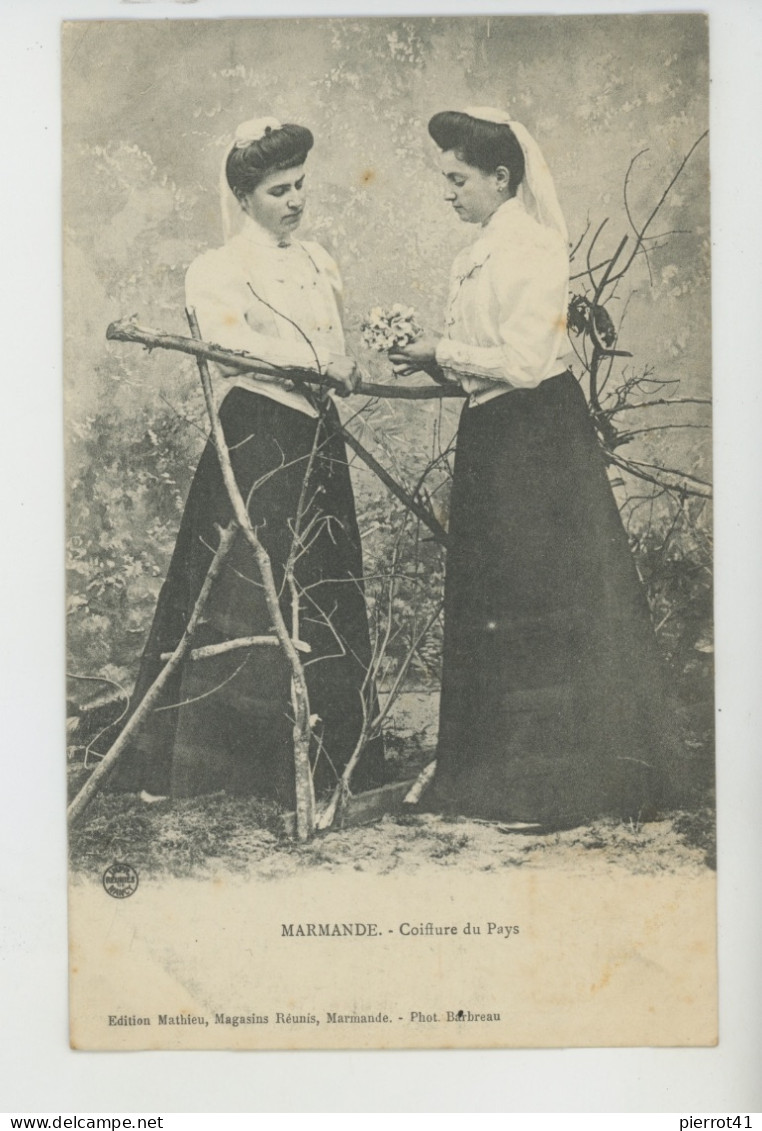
(552, 707)
(224, 723)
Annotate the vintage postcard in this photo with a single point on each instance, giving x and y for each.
(388, 440)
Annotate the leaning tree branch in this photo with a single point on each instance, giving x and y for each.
(667, 478)
(417, 508)
(128, 330)
(105, 767)
(302, 731)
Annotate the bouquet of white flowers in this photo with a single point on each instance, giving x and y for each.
(385, 330)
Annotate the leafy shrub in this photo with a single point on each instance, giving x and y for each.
(126, 496)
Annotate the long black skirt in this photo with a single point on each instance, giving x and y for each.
(225, 722)
(553, 706)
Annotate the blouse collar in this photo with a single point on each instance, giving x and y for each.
(256, 234)
(504, 213)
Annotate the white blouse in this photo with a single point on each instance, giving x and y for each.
(278, 300)
(505, 326)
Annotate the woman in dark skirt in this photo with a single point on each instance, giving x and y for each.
(225, 721)
(553, 707)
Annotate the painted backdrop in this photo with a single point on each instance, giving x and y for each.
(149, 108)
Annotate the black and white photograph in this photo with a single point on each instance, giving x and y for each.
(389, 532)
(362, 753)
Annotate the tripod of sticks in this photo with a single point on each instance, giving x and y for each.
(283, 637)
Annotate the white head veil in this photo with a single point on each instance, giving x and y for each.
(245, 134)
(537, 191)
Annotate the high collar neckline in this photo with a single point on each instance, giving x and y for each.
(503, 212)
(255, 233)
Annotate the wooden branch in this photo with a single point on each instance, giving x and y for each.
(605, 279)
(630, 167)
(627, 437)
(105, 767)
(655, 404)
(579, 242)
(128, 330)
(224, 646)
(305, 793)
(338, 800)
(641, 234)
(599, 349)
(650, 473)
(676, 471)
(403, 668)
(421, 784)
(418, 509)
(362, 808)
(593, 242)
(587, 273)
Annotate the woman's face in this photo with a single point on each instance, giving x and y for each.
(278, 201)
(473, 194)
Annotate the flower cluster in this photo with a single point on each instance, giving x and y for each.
(385, 330)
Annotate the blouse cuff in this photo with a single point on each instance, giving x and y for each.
(487, 362)
(446, 357)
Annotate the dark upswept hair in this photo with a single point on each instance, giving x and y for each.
(247, 166)
(484, 145)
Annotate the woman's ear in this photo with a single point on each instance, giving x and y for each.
(503, 180)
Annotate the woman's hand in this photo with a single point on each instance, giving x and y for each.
(417, 355)
(345, 371)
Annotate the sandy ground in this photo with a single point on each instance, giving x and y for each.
(208, 835)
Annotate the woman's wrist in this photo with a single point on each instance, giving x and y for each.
(443, 352)
(429, 344)
(343, 370)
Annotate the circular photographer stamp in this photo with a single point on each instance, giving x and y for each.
(120, 880)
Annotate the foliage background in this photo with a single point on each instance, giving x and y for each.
(148, 110)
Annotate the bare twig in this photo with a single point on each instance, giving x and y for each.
(103, 770)
(224, 646)
(123, 696)
(589, 254)
(668, 478)
(626, 437)
(656, 403)
(641, 233)
(291, 323)
(328, 813)
(305, 793)
(579, 242)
